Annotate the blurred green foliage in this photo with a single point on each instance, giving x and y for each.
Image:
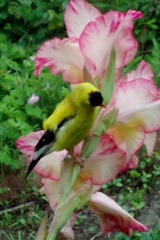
(29, 22)
(151, 235)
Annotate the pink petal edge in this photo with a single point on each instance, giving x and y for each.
(112, 216)
(60, 56)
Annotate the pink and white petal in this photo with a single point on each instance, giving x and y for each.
(131, 95)
(147, 116)
(96, 45)
(150, 141)
(131, 164)
(126, 48)
(51, 190)
(77, 15)
(133, 15)
(128, 138)
(103, 169)
(143, 71)
(112, 217)
(26, 144)
(139, 113)
(60, 56)
(106, 162)
(121, 26)
(50, 166)
(118, 20)
(108, 31)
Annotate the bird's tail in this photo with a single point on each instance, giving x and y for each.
(31, 166)
(39, 154)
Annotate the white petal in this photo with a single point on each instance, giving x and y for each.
(61, 56)
(78, 13)
(150, 141)
(106, 162)
(143, 71)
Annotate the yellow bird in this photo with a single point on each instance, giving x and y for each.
(70, 123)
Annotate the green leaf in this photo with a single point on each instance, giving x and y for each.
(134, 174)
(68, 205)
(69, 175)
(12, 123)
(33, 111)
(108, 81)
(103, 124)
(23, 221)
(139, 205)
(42, 230)
(89, 145)
(64, 212)
(5, 158)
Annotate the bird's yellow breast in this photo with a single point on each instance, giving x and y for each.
(74, 130)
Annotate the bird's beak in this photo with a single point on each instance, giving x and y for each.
(103, 105)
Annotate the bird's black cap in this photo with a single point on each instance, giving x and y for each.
(95, 98)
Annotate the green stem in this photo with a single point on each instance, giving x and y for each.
(69, 175)
(52, 236)
(76, 170)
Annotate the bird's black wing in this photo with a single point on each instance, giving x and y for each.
(44, 145)
(47, 138)
(41, 149)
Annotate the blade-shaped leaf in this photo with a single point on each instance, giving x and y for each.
(89, 145)
(108, 81)
(64, 212)
(69, 174)
(105, 122)
(42, 231)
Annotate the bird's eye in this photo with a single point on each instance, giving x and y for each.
(95, 98)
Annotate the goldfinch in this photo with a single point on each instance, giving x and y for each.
(70, 123)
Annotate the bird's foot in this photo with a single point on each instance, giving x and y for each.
(76, 160)
(92, 134)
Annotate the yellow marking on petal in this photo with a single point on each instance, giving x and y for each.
(78, 75)
(122, 131)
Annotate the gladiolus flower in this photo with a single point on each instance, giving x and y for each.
(92, 36)
(137, 99)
